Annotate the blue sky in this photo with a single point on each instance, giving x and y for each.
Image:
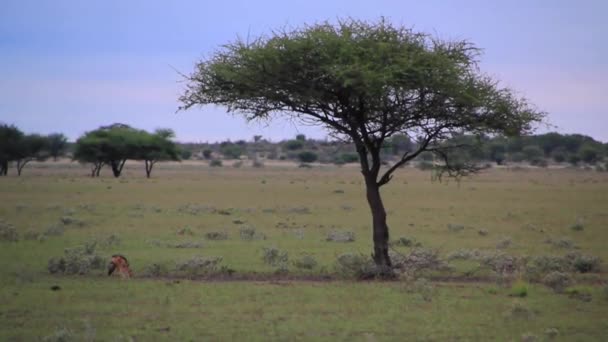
(71, 66)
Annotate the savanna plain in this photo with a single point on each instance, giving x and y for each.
(278, 253)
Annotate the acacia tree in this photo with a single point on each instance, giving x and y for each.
(31, 147)
(10, 140)
(57, 144)
(365, 82)
(156, 147)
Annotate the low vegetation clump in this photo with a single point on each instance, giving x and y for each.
(582, 293)
(455, 227)
(305, 262)
(274, 257)
(354, 265)
(198, 266)
(248, 233)
(578, 226)
(405, 241)
(417, 260)
(504, 243)
(340, 236)
(8, 232)
(155, 270)
(519, 311)
(216, 236)
(563, 243)
(77, 260)
(216, 163)
(465, 254)
(111, 241)
(185, 231)
(54, 230)
(421, 287)
(519, 289)
(586, 263)
(185, 244)
(558, 281)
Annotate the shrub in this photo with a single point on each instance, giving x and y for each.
(185, 244)
(8, 232)
(77, 260)
(185, 231)
(237, 164)
(306, 262)
(199, 265)
(528, 337)
(274, 257)
(155, 270)
(216, 236)
(519, 289)
(455, 227)
(257, 164)
(579, 292)
(483, 232)
(207, 154)
(54, 231)
(215, 163)
(551, 333)
(110, 241)
(293, 145)
(564, 242)
(307, 157)
(464, 254)
(422, 287)
(519, 311)
(31, 235)
(354, 265)
(578, 225)
(586, 263)
(557, 281)
(540, 265)
(340, 236)
(418, 259)
(249, 233)
(500, 263)
(504, 242)
(61, 334)
(406, 242)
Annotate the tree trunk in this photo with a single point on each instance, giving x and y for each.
(380, 228)
(117, 166)
(98, 169)
(3, 167)
(149, 165)
(21, 165)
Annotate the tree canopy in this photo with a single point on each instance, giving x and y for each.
(115, 144)
(15, 146)
(365, 82)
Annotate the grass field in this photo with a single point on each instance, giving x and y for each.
(522, 212)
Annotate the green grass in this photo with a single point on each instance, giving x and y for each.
(295, 209)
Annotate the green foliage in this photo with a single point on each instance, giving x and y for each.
(215, 163)
(57, 144)
(207, 154)
(307, 157)
(293, 145)
(231, 151)
(274, 257)
(519, 289)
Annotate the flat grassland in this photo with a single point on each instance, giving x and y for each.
(191, 210)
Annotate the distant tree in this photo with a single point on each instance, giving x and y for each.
(589, 153)
(152, 148)
(31, 147)
(533, 153)
(293, 145)
(10, 142)
(185, 153)
(364, 82)
(231, 151)
(307, 157)
(108, 145)
(497, 152)
(301, 137)
(57, 144)
(559, 154)
(207, 154)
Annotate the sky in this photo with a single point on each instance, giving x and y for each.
(71, 66)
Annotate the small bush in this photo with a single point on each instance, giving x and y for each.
(557, 281)
(407, 242)
(78, 260)
(500, 263)
(519, 311)
(156, 270)
(586, 263)
(419, 259)
(483, 232)
(504, 243)
(579, 292)
(551, 333)
(305, 262)
(215, 163)
(249, 233)
(61, 334)
(455, 227)
(216, 236)
(8, 232)
(55, 230)
(464, 254)
(519, 289)
(274, 257)
(563, 242)
(185, 231)
(111, 241)
(185, 244)
(422, 287)
(354, 265)
(579, 225)
(539, 265)
(199, 265)
(340, 236)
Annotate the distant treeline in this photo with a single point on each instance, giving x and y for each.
(113, 145)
